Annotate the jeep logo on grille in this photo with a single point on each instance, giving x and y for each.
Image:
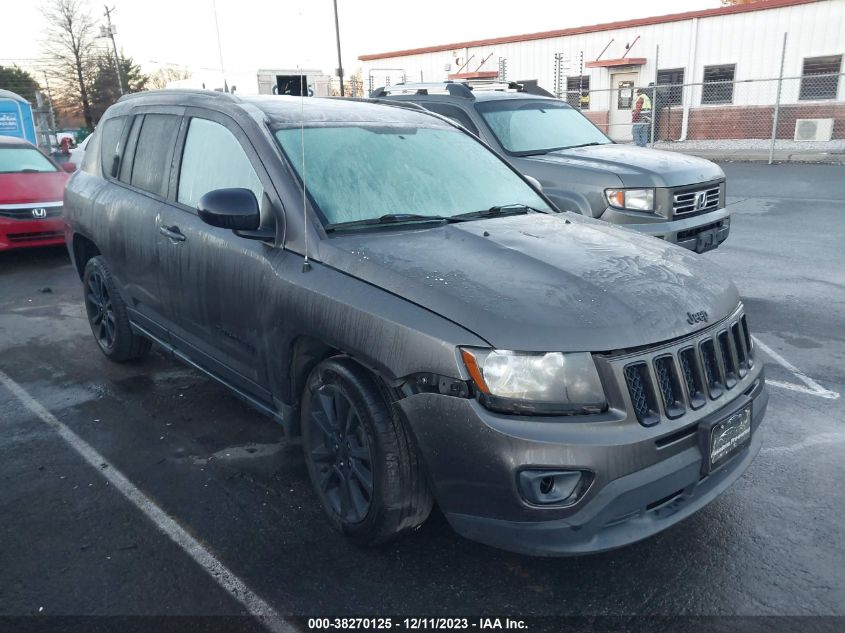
(39, 213)
(700, 202)
(697, 317)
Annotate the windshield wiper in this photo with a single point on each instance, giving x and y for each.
(390, 218)
(583, 145)
(501, 209)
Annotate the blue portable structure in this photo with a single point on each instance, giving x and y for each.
(16, 116)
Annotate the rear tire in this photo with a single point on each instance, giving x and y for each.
(107, 315)
(361, 456)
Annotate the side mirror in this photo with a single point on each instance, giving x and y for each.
(235, 209)
(69, 167)
(533, 181)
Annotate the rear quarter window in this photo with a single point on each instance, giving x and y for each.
(92, 154)
(111, 132)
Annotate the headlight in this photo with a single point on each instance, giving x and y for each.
(634, 199)
(523, 382)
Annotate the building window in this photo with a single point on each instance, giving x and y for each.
(673, 93)
(718, 84)
(820, 77)
(578, 92)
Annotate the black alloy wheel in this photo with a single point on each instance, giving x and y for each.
(100, 311)
(340, 451)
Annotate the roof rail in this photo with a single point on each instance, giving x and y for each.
(454, 88)
(216, 94)
(407, 105)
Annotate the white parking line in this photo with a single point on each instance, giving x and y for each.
(221, 574)
(810, 386)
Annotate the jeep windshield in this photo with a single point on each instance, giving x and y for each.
(538, 126)
(377, 175)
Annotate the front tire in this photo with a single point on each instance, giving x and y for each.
(107, 315)
(361, 457)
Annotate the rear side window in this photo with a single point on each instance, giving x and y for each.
(151, 166)
(111, 132)
(213, 159)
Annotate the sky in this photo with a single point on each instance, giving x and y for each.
(300, 34)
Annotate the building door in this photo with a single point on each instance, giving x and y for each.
(622, 99)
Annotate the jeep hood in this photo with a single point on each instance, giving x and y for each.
(636, 166)
(541, 282)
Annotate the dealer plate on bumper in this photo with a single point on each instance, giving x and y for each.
(724, 438)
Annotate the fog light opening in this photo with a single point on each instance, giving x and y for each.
(546, 487)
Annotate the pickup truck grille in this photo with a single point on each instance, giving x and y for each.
(696, 200)
(670, 382)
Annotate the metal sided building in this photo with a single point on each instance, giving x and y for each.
(721, 65)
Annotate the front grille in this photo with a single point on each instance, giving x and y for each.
(697, 370)
(34, 237)
(670, 385)
(642, 393)
(728, 362)
(26, 213)
(696, 200)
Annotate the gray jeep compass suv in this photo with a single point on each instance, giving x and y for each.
(678, 198)
(376, 279)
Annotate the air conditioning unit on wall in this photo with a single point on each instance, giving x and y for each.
(813, 129)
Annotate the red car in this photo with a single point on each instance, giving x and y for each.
(31, 190)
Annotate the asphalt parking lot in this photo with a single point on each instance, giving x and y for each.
(71, 542)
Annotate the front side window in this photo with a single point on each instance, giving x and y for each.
(365, 171)
(537, 126)
(151, 165)
(718, 84)
(820, 77)
(213, 159)
(17, 160)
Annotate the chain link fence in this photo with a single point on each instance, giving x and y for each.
(776, 118)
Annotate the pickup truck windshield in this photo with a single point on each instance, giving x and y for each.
(15, 160)
(369, 171)
(537, 126)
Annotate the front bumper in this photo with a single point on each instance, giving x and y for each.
(644, 481)
(31, 233)
(683, 232)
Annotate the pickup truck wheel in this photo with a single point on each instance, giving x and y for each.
(361, 457)
(107, 315)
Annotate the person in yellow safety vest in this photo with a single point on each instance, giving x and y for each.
(641, 117)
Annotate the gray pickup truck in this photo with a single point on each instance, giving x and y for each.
(678, 198)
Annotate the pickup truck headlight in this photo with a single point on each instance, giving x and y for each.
(632, 199)
(550, 383)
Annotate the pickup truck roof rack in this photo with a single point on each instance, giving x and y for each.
(454, 88)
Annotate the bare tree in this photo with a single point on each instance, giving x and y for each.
(70, 45)
(163, 76)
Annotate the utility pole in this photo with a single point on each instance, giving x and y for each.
(110, 35)
(337, 36)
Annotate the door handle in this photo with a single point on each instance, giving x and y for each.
(172, 233)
